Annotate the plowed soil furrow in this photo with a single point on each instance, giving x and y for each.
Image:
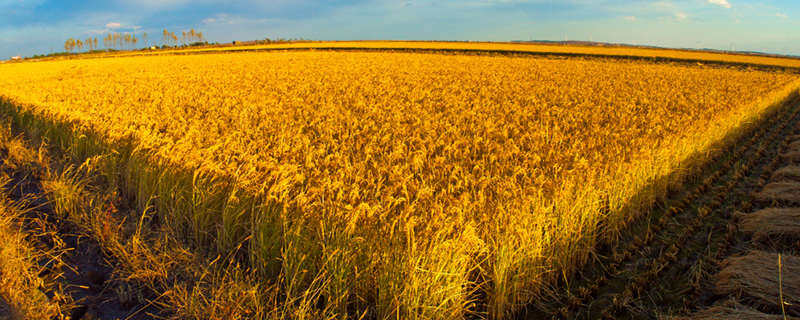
(664, 263)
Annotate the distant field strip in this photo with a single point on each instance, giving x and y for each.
(521, 48)
(406, 184)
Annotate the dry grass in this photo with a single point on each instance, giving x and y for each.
(772, 223)
(21, 264)
(151, 266)
(29, 271)
(732, 310)
(787, 173)
(791, 156)
(754, 280)
(794, 146)
(779, 192)
(148, 260)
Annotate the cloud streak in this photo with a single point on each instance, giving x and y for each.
(721, 3)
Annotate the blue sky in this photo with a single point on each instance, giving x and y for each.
(41, 26)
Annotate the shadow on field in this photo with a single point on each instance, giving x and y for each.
(679, 192)
(5, 309)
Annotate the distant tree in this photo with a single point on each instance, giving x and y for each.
(195, 36)
(114, 40)
(69, 45)
(165, 37)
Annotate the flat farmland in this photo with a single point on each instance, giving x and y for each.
(557, 49)
(389, 184)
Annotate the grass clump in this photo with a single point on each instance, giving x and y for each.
(755, 279)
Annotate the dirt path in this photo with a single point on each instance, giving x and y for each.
(667, 263)
(86, 273)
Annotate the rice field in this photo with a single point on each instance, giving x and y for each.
(521, 48)
(393, 185)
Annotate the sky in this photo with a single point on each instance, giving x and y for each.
(30, 27)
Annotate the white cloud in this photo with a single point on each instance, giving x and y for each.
(630, 18)
(721, 3)
(93, 29)
(222, 19)
(782, 15)
(680, 16)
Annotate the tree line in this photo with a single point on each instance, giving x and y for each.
(187, 37)
(126, 40)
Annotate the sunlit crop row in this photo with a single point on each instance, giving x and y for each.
(640, 52)
(405, 183)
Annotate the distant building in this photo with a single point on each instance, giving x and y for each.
(152, 48)
(16, 58)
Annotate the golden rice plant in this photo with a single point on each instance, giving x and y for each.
(699, 56)
(394, 185)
